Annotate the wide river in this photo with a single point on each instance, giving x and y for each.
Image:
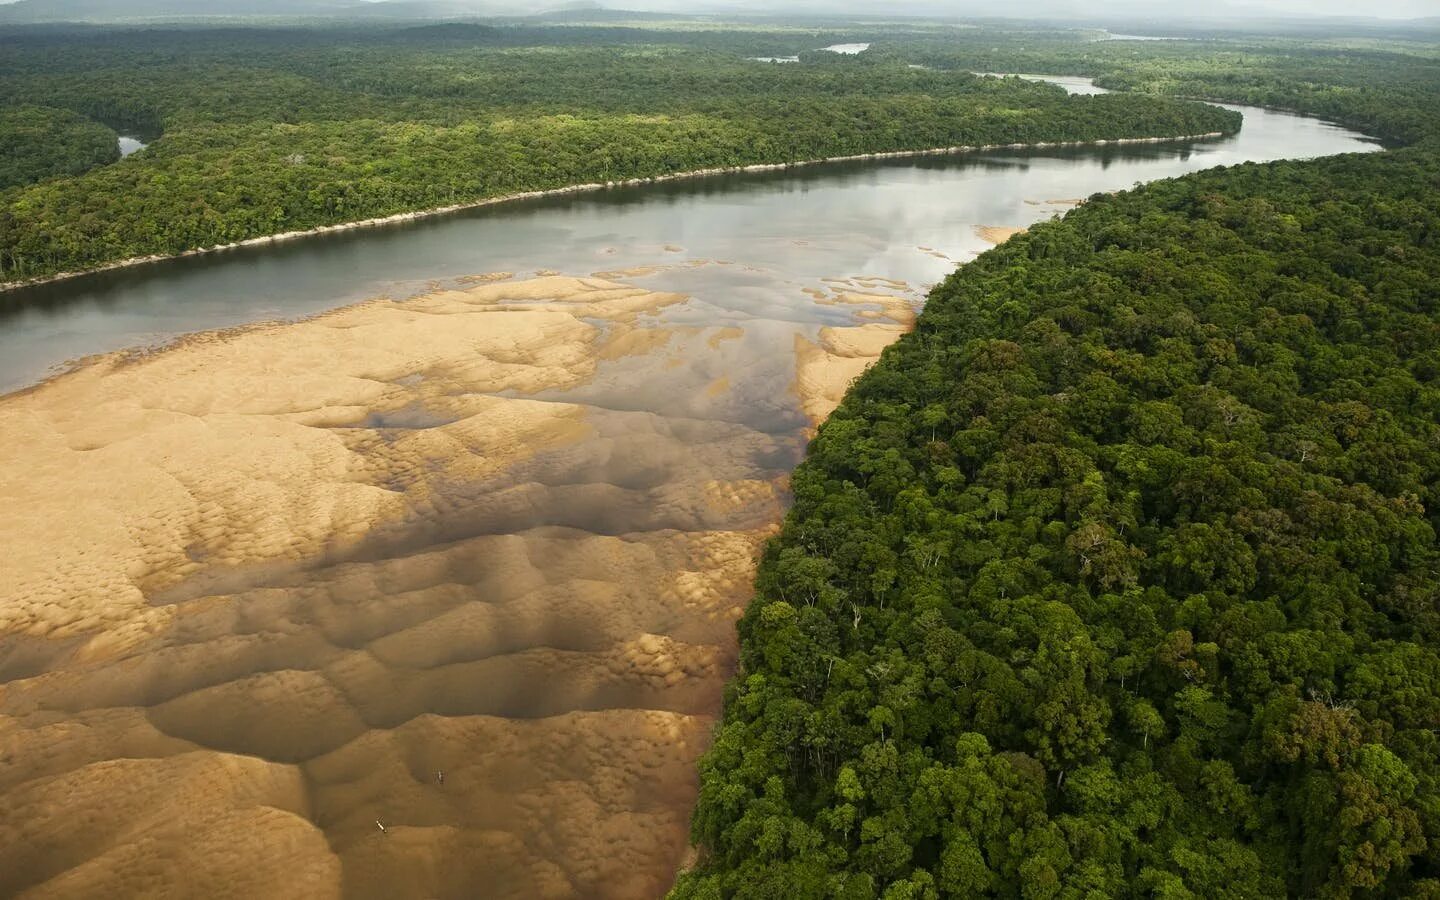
(433, 595)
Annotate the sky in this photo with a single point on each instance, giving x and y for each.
(1148, 9)
(1078, 9)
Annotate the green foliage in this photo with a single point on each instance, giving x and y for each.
(1388, 90)
(37, 142)
(1154, 490)
(266, 131)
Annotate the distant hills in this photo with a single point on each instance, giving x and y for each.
(1169, 16)
(31, 11)
(117, 10)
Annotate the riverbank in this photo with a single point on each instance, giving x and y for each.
(402, 538)
(588, 187)
(286, 575)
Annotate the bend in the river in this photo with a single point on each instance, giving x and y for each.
(462, 561)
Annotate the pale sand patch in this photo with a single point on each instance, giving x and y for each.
(825, 370)
(145, 819)
(873, 281)
(997, 234)
(721, 335)
(900, 310)
(586, 791)
(368, 569)
(863, 342)
(125, 477)
(1064, 201)
(485, 278)
(636, 342)
(633, 272)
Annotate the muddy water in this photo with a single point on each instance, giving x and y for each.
(434, 595)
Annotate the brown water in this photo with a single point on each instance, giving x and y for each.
(465, 565)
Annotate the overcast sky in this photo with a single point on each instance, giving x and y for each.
(1078, 9)
(1148, 9)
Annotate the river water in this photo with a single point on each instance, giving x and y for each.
(436, 597)
(798, 226)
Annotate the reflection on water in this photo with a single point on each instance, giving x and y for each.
(797, 225)
(129, 145)
(435, 597)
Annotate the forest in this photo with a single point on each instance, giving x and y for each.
(264, 130)
(1118, 577)
(37, 142)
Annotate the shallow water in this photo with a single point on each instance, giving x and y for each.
(400, 566)
(794, 226)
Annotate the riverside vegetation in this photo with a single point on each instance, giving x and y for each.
(38, 142)
(275, 130)
(1118, 577)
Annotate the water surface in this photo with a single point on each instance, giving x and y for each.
(798, 226)
(400, 566)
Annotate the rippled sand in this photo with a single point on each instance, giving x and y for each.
(432, 598)
(996, 234)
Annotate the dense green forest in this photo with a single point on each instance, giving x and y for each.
(1119, 576)
(271, 130)
(37, 142)
(1388, 90)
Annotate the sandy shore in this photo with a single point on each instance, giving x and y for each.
(825, 368)
(996, 234)
(129, 475)
(429, 565)
(590, 187)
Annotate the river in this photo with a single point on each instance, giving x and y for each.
(850, 217)
(433, 594)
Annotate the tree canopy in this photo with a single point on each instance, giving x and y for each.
(1118, 577)
(267, 130)
(37, 142)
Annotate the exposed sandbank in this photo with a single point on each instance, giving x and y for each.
(265, 585)
(285, 575)
(825, 368)
(997, 234)
(127, 476)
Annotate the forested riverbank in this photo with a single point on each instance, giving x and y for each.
(1118, 576)
(589, 187)
(266, 132)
